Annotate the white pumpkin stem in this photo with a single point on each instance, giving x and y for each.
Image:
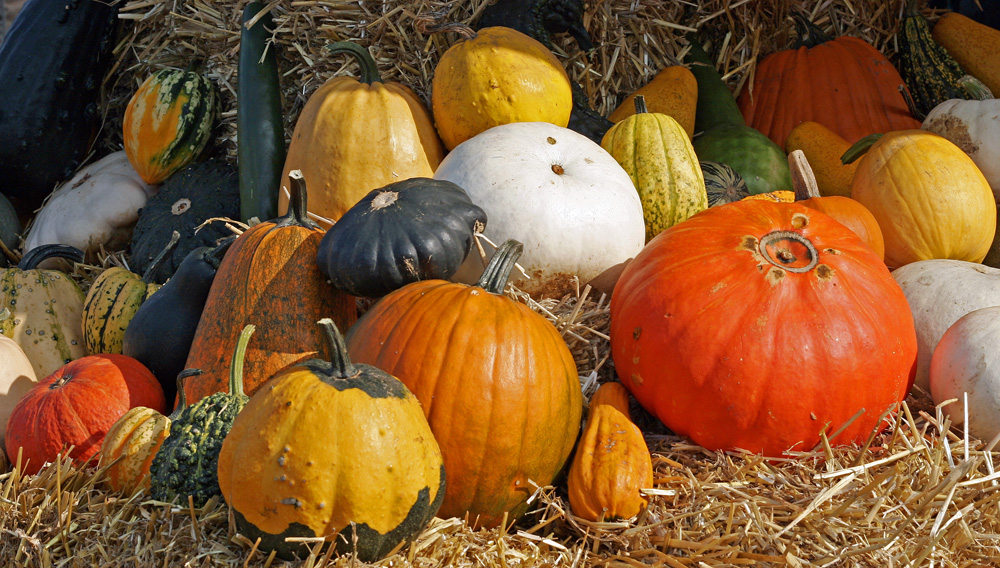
(803, 178)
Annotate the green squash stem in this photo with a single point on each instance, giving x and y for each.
(976, 88)
(860, 148)
(497, 272)
(297, 214)
(35, 256)
(340, 362)
(214, 256)
(640, 104)
(369, 70)
(181, 397)
(810, 35)
(236, 365)
(147, 276)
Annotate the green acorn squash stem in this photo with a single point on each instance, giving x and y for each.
(147, 276)
(236, 365)
(340, 362)
(640, 104)
(497, 272)
(860, 148)
(181, 398)
(297, 203)
(976, 88)
(809, 33)
(369, 70)
(33, 257)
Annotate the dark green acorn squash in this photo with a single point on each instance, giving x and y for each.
(52, 64)
(199, 192)
(10, 229)
(723, 184)
(415, 229)
(159, 334)
(187, 462)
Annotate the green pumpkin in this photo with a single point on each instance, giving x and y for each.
(723, 184)
(187, 462)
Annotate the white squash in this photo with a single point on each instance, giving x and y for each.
(99, 206)
(559, 193)
(973, 126)
(17, 376)
(967, 360)
(940, 292)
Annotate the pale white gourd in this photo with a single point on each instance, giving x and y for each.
(940, 292)
(17, 376)
(558, 192)
(973, 126)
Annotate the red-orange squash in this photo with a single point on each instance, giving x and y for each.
(497, 383)
(76, 405)
(756, 324)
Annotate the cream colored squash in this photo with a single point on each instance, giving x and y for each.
(973, 126)
(967, 361)
(940, 292)
(570, 203)
(17, 376)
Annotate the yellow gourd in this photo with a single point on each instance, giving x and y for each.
(823, 148)
(975, 46)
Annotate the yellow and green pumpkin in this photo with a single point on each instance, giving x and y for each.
(168, 122)
(129, 446)
(657, 154)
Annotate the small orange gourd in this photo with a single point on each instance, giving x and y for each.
(612, 462)
(133, 440)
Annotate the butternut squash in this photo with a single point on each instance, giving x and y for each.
(673, 92)
(823, 148)
(975, 46)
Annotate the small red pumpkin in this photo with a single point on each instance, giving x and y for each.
(76, 405)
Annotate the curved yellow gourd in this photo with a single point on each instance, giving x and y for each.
(133, 441)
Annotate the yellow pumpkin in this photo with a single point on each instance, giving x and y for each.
(497, 77)
(612, 462)
(928, 196)
(354, 136)
(135, 438)
(657, 154)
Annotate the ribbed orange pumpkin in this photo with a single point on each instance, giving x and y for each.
(269, 277)
(612, 462)
(76, 405)
(844, 84)
(354, 136)
(496, 380)
(133, 440)
(754, 324)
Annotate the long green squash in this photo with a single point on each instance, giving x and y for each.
(259, 123)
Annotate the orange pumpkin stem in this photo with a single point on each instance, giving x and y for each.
(803, 178)
(497, 272)
(298, 213)
(640, 104)
(340, 362)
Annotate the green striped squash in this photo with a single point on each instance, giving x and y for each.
(168, 122)
(45, 309)
(723, 184)
(657, 154)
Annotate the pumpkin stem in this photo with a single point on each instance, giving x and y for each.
(297, 203)
(339, 360)
(803, 178)
(181, 397)
(239, 354)
(147, 276)
(640, 104)
(35, 256)
(497, 272)
(810, 35)
(426, 25)
(369, 70)
(860, 148)
(976, 88)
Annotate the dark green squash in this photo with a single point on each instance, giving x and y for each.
(259, 124)
(584, 119)
(539, 19)
(415, 229)
(10, 230)
(159, 334)
(52, 64)
(186, 464)
(201, 191)
(723, 184)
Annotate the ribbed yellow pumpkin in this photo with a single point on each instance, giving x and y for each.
(133, 440)
(657, 154)
(928, 196)
(497, 77)
(354, 136)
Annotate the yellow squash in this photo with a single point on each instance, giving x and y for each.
(354, 136)
(658, 156)
(133, 441)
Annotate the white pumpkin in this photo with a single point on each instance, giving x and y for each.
(556, 191)
(967, 360)
(940, 292)
(99, 206)
(17, 376)
(973, 126)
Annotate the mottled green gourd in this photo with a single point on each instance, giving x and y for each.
(187, 463)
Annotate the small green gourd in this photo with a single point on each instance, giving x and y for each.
(187, 462)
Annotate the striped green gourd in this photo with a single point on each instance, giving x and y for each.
(723, 184)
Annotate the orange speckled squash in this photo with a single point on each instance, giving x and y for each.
(269, 277)
(168, 122)
(612, 462)
(356, 135)
(133, 440)
(496, 380)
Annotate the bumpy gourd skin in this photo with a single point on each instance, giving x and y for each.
(187, 463)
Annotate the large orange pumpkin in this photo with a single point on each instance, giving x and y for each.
(844, 84)
(496, 380)
(269, 277)
(755, 324)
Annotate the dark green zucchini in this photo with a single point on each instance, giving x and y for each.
(716, 104)
(52, 64)
(259, 122)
